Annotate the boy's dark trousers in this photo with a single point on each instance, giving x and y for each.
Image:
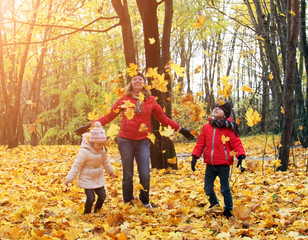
(223, 172)
(101, 196)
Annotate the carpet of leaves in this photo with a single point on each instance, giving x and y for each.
(35, 203)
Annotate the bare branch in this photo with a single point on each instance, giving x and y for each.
(66, 34)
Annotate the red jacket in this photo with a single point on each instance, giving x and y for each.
(130, 128)
(210, 143)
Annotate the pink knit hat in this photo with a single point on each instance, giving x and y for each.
(97, 134)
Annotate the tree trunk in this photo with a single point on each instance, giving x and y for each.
(163, 149)
(289, 82)
(127, 34)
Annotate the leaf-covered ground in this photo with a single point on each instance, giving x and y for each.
(35, 204)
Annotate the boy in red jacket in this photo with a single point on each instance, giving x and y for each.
(217, 140)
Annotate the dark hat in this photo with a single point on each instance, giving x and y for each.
(227, 108)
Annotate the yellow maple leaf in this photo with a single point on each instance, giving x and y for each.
(143, 127)
(271, 76)
(233, 153)
(160, 83)
(200, 21)
(113, 131)
(238, 121)
(225, 139)
(247, 89)
(127, 104)
(198, 69)
(177, 69)
(119, 92)
(172, 160)
(199, 94)
(93, 115)
(252, 117)
(129, 113)
(167, 132)
(301, 128)
(225, 80)
(282, 110)
(141, 96)
(132, 70)
(152, 137)
(293, 13)
(152, 41)
(177, 87)
(220, 101)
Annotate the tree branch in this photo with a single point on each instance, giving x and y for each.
(65, 34)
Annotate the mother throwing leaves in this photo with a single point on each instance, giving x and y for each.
(132, 143)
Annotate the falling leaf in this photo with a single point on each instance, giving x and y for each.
(141, 96)
(119, 92)
(167, 132)
(252, 117)
(260, 38)
(198, 69)
(282, 110)
(225, 139)
(143, 127)
(293, 13)
(247, 89)
(200, 21)
(132, 70)
(271, 76)
(152, 41)
(172, 160)
(301, 128)
(113, 131)
(177, 69)
(194, 133)
(177, 87)
(152, 137)
(238, 121)
(220, 101)
(129, 113)
(127, 104)
(199, 94)
(233, 153)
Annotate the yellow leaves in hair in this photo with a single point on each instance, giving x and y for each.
(132, 70)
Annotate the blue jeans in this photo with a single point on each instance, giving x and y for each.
(101, 196)
(139, 150)
(223, 172)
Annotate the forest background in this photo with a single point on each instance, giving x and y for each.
(63, 63)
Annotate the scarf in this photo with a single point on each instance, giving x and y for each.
(225, 124)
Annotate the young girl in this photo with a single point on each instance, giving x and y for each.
(89, 165)
(217, 154)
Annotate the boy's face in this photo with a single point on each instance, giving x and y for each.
(218, 113)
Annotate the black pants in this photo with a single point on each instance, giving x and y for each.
(101, 196)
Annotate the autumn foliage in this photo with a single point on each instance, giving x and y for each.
(35, 203)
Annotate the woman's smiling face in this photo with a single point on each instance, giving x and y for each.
(137, 83)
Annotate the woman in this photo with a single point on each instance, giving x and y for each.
(133, 142)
